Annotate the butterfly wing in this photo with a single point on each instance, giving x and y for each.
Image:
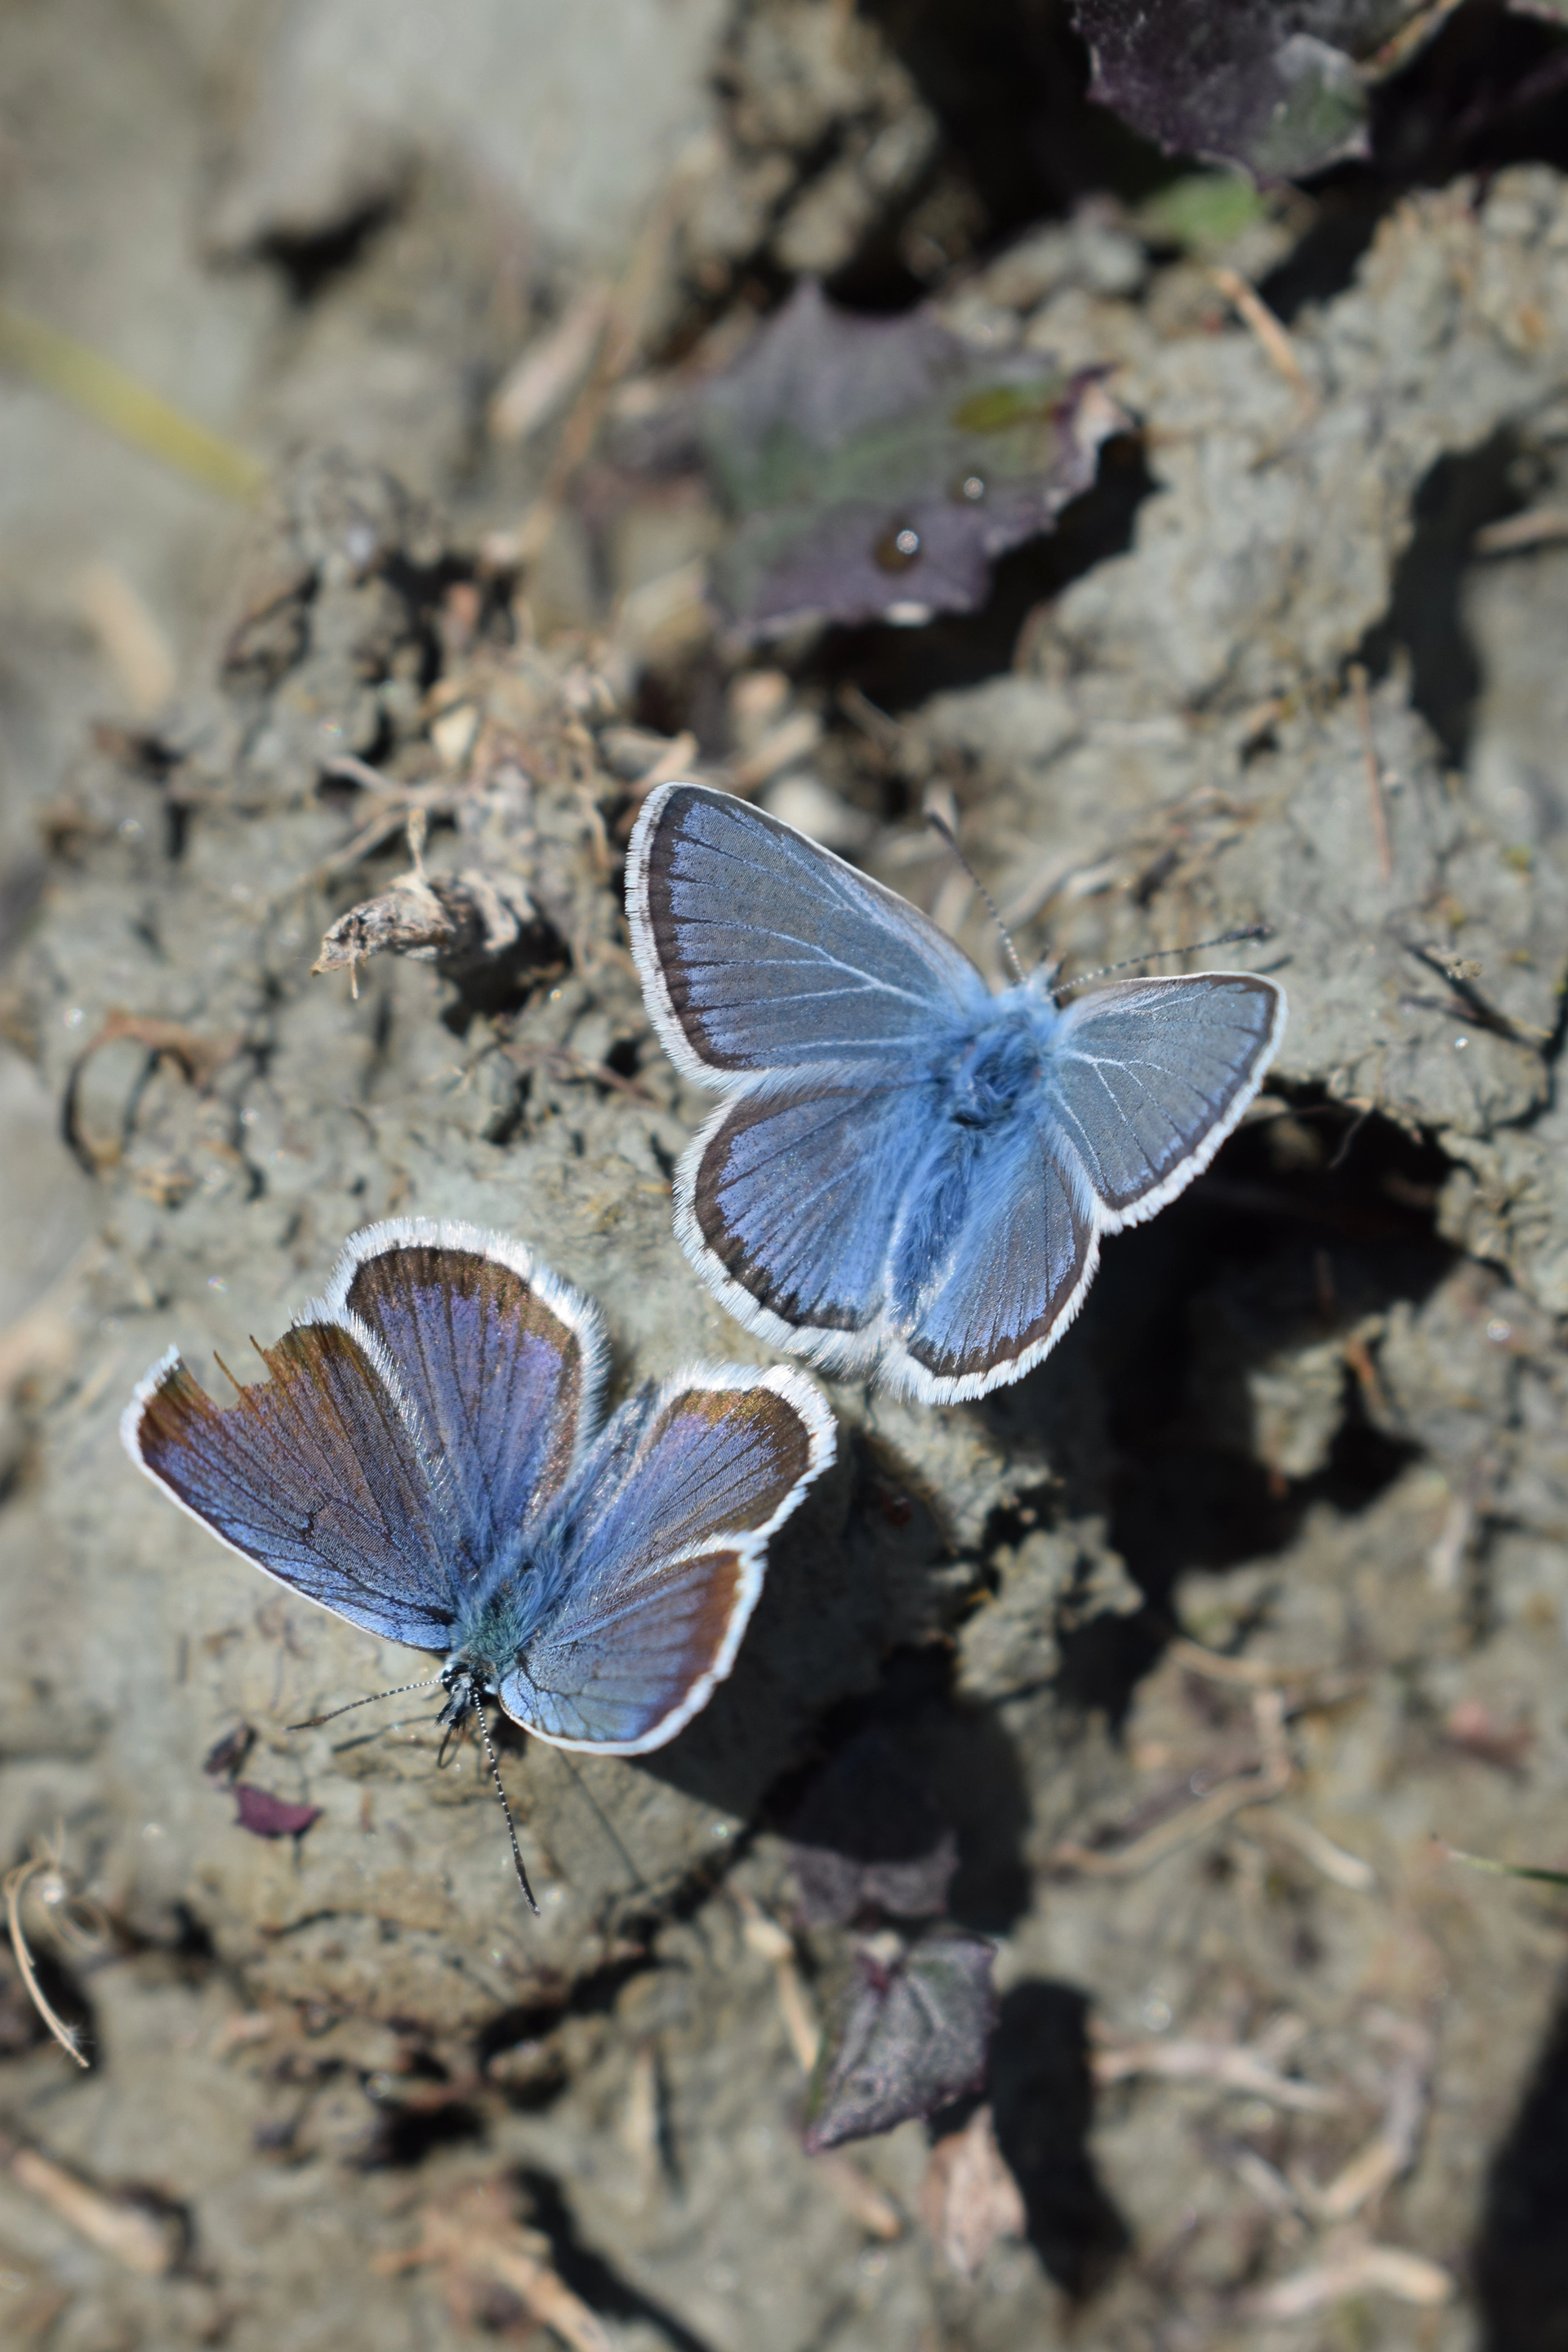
(502, 1361)
(759, 950)
(665, 1554)
(999, 1236)
(1146, 1080)
(786, 1204)
(318, 1475)
(994, 1252)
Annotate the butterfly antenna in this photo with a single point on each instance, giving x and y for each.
(333, 1714)
(1192, 947)
(940, 824)
(510, 1828)
(604, 1822)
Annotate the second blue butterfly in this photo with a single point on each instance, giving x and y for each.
(909, 1172)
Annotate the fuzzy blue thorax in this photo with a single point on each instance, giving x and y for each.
(989, 1069)
(509, 1600)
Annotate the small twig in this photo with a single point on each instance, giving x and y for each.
(562, 1062)
(674, 762)
(16, 1880)
(1357, 677)
(1342, 1869)
(1234, 2068)
(1535, 528)
(1358, 1356)
(771, 1942)
(1355, 2267)
(1271, 1779)
(134, 2232)
(1256, 314)
(476, 2234)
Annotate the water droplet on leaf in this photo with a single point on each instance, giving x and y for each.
(899, 548)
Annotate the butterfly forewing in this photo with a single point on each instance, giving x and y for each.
(316, 1474)
(503, 1363)
(759, 950)
(1149, 1077)
(796, 1196)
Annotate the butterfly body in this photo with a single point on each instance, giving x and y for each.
(424, 1460)
(909, 1174)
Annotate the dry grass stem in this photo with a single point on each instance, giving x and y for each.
(1255, 314)
(1357, 2267)
(15, 1886)
(1271, 1779)
(1358, 685)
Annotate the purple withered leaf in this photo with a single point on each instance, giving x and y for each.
(876, 467)
(265, 1815)
(867, 1837)
(1276, 85)
(911, 2036)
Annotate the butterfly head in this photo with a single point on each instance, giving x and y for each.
(467, 1681)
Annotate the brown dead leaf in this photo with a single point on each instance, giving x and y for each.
(968, 2199)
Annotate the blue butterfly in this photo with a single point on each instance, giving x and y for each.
(422, 1460)
(908, 1172)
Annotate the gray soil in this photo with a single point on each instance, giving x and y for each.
(1207, 1641)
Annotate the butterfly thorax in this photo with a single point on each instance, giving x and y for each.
(503, 1611)
(997, 1065)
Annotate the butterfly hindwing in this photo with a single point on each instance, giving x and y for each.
(667, 1550)
(1148, 1077)
(317, 1474)
(502, 1361)
(997, 1249)
(788, 1201)
(759, 950)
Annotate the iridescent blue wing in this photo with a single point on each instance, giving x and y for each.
(995, 1250)
(786, 1203)
(504, 1362)
(1147, 1078)
(999, 1236)
(761, 951)
(663, 1549)
(319, 1475)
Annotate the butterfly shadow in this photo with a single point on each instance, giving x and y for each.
(1521, 2254)
(844, 1575)
(1148, 1412)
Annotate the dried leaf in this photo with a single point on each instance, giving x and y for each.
(867, 1837)
(1271, 84)
(878, 467)
(265, 1815)
(969, 2199)
(475, 928)
(911, 2036)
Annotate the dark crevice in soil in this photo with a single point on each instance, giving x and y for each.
(310, 264)
(962, 1758)
(405, 2135)
(1304, 1226)
(1423, 623)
